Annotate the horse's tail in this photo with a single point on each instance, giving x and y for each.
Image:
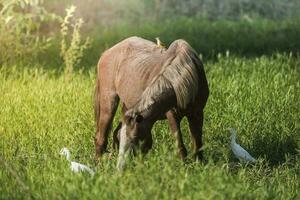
(97, 100)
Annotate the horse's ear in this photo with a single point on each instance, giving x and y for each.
(127, 118)
(131, 116)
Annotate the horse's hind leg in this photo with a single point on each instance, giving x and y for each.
(116, 136)
(174, 124)
(108, 108)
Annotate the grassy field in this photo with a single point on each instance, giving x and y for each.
(41, 112)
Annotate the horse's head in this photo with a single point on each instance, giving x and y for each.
(134, 125)
(132, 131)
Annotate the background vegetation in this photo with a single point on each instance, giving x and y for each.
(48, 56)
(31, 30)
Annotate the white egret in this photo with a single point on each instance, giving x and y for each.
(75, 167)
(239, 151)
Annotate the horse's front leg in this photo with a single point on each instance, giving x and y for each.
(174, 124)
(117, 131)
(116, 136)
(147, 143)
(196, 124)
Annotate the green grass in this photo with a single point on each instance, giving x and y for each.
(41, 112)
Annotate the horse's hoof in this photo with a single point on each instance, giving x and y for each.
(183, 153)
(198, 156)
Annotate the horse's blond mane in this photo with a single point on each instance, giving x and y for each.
(179, 72)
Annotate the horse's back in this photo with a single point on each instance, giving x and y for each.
(131, 45)
(128, 67)
(138, 61)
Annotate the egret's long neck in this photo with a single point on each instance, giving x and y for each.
(68, 156)
(233, 137)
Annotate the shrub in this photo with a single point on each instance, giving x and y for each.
(20, 27)
(72, 44)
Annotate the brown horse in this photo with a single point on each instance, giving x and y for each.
(152, 83)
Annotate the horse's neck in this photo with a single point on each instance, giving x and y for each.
(155, 92)
(160, 105)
